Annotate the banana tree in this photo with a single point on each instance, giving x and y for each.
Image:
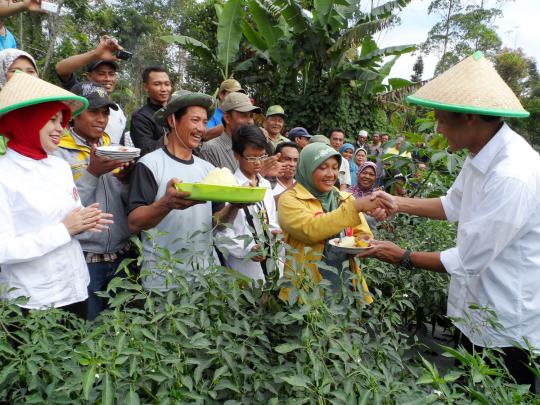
(229, 34)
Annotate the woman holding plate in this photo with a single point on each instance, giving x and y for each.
(313, 212)
(40, 209)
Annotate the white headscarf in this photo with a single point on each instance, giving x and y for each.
(7, 57)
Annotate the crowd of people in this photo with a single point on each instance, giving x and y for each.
(68, 214)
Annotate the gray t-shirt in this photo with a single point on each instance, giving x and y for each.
(186, 234)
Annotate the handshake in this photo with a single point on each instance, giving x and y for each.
(379, 205)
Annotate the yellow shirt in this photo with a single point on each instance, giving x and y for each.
(304, 224)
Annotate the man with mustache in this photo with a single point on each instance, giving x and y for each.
(96, 182)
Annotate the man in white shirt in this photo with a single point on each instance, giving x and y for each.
(496, 263)
(258, 256)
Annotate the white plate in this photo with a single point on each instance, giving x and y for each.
(352, 251)
(118, 149)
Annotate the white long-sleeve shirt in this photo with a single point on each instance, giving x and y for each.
(236, 250)
(496, 263)
(38, 257)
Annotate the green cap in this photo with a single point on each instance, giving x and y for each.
(320, 138)
(238, 102)
(275, 110)
(182, 99)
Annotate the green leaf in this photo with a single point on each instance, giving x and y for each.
(398, 83)
(88, 381)
(229, 33)
(287, 347)
(297, 381)
(253, 37)
(187, 382)
(197, 47)
(132, 398)
(263, 22)
(425, 379)
(107, 397)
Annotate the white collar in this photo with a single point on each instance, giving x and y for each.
(25, 162)
(483, 159)
(244, 181)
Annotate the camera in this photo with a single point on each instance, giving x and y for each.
(124, 55)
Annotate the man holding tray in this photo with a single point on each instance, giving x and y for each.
(171, 221)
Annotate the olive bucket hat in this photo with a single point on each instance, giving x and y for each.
(24, 90)
(472, 86)
(182, 99)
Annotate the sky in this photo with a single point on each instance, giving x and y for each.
(518, 27)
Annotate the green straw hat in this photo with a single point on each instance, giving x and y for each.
(472, 86)
(24, 90)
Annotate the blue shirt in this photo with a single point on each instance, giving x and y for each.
(7, 41)
(216, 119)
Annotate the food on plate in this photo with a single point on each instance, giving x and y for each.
(363, 241)
(220, 177)
(347, 241)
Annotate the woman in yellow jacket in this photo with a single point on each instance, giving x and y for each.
(314, 211)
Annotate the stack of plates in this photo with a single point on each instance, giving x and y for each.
(118, 152)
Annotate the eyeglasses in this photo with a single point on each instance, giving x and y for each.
(255, 159)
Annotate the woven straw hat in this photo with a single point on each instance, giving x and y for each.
(24, 90)
(472, 86)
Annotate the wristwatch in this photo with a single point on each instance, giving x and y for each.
(406, 260)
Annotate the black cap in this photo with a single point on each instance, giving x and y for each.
(93, 65)
(96, 95)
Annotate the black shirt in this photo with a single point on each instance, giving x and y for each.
(145, 133)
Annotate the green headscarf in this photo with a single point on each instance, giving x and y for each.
(311, 157)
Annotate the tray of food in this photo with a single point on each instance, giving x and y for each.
(220, 185)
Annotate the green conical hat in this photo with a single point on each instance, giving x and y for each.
(24, 90)
(472, 86)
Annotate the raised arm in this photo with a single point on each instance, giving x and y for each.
(8, 8)
(104, 51)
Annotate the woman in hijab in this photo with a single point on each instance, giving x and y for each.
(314, 211)
(12, 60)
(360, 156)
(40, 208)
(365, 180)
(347, 151)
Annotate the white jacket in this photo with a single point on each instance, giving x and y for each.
(38, 257)
(240, 237)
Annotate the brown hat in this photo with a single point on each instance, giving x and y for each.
(238, 102)
(231, 86)
(472, 86)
